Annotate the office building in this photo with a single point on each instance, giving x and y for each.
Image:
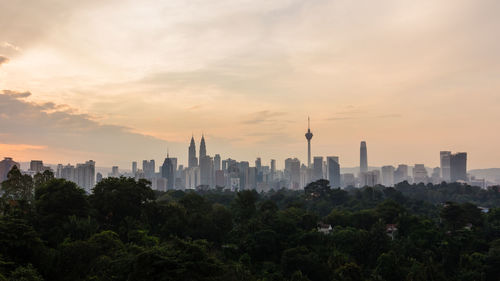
(445, 159)
(333, 171)
(388, 175)
(217, 162)
(401, 174)
(317, 168)
(168, 171)
(206, 171)
(134, 168)
(458, 167)
(363, 158)
(420, 174)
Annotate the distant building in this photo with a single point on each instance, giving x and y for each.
(333, 171)
(363, 158)
(309, 136)
(348, 179)
(401, 174)
(445, 159)
(388, 175)
(217, 162)
(114, 172)
(317, 168)
(149, 168)
(193, 161)
(85, 175)
(420, 174)
(36, 166)
(203, 147)
(5, 166)
(206, 171)
(98, 177)
(370, 178)
(134, 167)
(220, 178)
(458, 167)
(168, 172)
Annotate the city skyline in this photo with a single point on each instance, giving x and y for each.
(410, 78)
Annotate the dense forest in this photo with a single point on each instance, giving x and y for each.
(50, 229)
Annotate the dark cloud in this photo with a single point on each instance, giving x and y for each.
(3, 60)
(62, 130)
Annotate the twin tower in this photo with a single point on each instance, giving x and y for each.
(193, 161)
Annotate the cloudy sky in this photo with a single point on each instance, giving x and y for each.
(117, 81)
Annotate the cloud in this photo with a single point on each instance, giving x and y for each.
(263, 116)
(48, 126)
(3, 60)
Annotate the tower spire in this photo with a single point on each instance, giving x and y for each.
(309, 136)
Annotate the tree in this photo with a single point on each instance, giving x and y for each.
(55, 202)
(244, 204)
(118, 198)
(18, 190)
(25, 273)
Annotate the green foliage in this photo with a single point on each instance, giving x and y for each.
(52, 230)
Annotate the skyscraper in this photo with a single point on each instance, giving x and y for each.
(217, 162)
(193, 161)
(458, 167)
(206, 171)
(317, 168)
(333, 171)
(309, 136)
(134, 168)
(168, 172)
(85, 175)
(388, 175)
(420, 174)
(401, 174)
(445, 157)
(363, 158)
(203, 148)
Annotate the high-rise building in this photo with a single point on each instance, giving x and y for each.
(68, 173)
(258, 164)
(458, 167)
(168, 172)
(370, 178)
(220, 180)
(5, 166)
(420, 174)
(333, 171)
(149, 168)
(203, 147)
(388, 175)
(114, 172)
(295, 174)
(85, 175)
(401, 174)
(317, 168)
(217, 162)
(36, 166)
(251, 178)
(134, 168)
(309, 136)
(363, 158)
(445, 157)
(273, 166)
(193, 161)
(348, 180)
(206, 171)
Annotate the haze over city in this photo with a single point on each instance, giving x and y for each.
(117, 81)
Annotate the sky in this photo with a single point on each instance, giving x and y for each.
(121, 81)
